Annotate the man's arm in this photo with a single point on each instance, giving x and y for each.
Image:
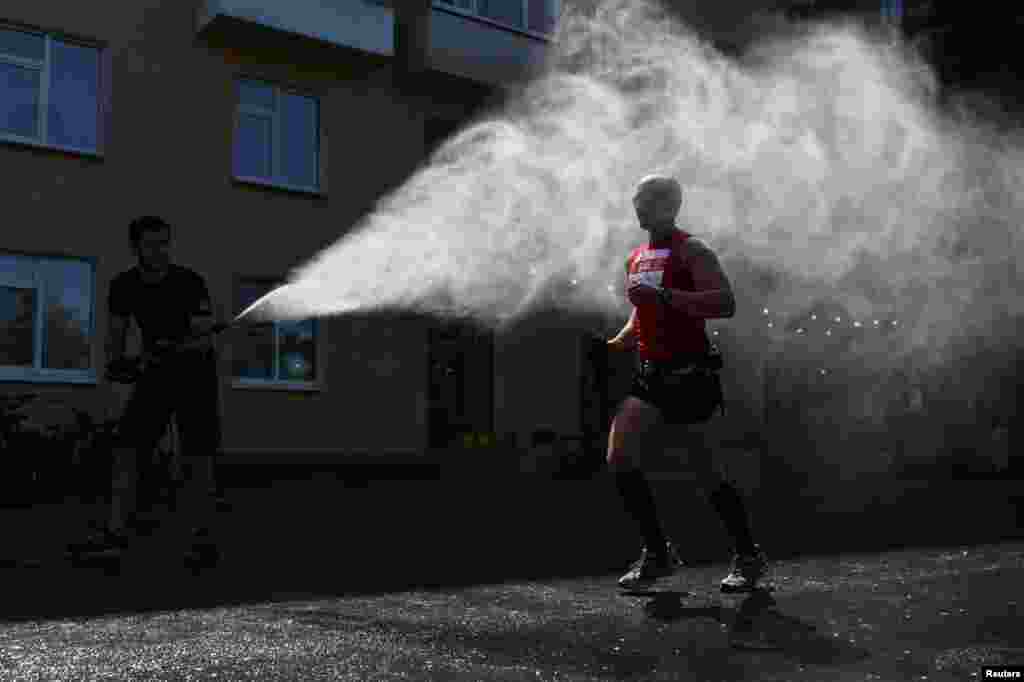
(204, 317)
(625, 339)
(118, 320)
(713, 297)
(117, 333)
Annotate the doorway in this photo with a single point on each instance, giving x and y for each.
(460, 381)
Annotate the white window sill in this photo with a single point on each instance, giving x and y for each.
(36, 144)
(267, 385)
(269, 184)
(36, 376)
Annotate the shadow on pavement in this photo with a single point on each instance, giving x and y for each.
(320, 539)
(758, 624)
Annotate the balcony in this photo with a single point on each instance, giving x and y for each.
(461, 43)
(359, 24)
(483, 50)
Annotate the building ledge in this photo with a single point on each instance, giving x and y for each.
(359, 24)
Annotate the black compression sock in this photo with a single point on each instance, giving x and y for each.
(638, 500)
(729, 506)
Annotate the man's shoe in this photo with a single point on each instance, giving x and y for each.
(747, 569)
(651, 567)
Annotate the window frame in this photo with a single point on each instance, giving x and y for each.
(44, 67)
(280, 87)
(449, 6)
(248, 383)
(37, 373)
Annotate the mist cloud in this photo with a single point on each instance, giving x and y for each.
(817, 165)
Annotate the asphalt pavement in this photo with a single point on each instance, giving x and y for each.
(936, 614)
(507, 578)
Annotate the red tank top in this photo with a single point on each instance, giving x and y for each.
(662, 332)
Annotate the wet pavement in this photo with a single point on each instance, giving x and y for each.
(935, 614)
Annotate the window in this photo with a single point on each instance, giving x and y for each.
(277, 137)
(46, 318)
(49, 91)
(273, 352)
(536, 16)
(892, 11)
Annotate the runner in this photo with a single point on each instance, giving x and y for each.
(675, 283)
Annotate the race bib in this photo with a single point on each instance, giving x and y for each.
(649, 268)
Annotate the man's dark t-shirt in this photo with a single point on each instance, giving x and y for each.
(163, 309)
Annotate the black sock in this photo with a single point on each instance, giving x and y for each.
(729, 506)
(638, 500)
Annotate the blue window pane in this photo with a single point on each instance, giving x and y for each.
(252, 147)
(299, 140)
(297, 352)
(17, 326)
(74, 97)
(18, 268)
(21, 44)
(506, 11)
(542, 16)
(19, 100)
(255, 94)
(67, 327)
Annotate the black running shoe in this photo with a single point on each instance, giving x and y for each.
(747, 570)
(651, 567)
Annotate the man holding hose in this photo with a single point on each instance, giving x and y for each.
(170, 303)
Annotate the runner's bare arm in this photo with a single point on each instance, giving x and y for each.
(713, 297)
(625, 339)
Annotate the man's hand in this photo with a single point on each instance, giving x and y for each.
(642, 294)
(623, 342)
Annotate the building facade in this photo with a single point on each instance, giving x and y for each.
(261, 132)
(260, 135)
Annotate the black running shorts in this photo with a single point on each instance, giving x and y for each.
(686, 390)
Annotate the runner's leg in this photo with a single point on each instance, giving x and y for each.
(632, 432)
(721, 494)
